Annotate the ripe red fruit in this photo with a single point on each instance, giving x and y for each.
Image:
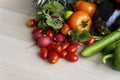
(72, 49)
(37, 35)
(72, 57)
(50, 34)
(62, 54)
(53, 57)
(37, 30)
(43, 53)
(31, 23)
(65, 45)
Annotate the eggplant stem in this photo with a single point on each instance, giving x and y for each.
(106, 57)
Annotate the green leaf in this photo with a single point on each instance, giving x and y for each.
(80, 36)
(53, 6)
(50, 15)
(84, 36)
(55, 24)
(39, 16)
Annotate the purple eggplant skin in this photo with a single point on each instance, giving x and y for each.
(107, 17)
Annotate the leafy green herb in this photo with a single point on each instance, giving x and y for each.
(68, 4)
(50, 15)
(80, 36)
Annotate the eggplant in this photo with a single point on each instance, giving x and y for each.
(107, 17)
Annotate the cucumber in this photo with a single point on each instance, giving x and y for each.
(101, 44)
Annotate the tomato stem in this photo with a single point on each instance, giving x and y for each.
(84, 23)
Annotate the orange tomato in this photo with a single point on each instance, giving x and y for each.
(80, 20)
(85, 6)
(65, 29)
(76, 5)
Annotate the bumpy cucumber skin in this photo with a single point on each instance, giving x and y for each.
(101, 44)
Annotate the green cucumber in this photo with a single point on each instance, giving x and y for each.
(101, 44)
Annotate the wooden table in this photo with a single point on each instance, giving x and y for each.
(20, 61)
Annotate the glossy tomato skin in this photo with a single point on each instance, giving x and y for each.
(43, 53)
(80, 20)
(53, 57)
(72, 57)
(85, 6)
(31, 23)
(72, 49)
(77, 3)
(58, 48)
(90, 41)
(36, 29)
(50, 34)
(65, 45)
(65, 29)
(62, 54)
(53, 46)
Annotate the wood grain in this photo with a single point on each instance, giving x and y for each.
(20, 61)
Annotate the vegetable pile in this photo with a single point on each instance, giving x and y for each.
(60, 26)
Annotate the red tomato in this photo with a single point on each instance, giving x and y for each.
(37, 35)
(72, 49)
(53, 57)
(50, 34)
(58, 48)
(65, 45)
(65, 28)
(31, 23)
(53, 46)
(43, 53)
(62, 54)
(72, 57)
(36, 30)
(90, 41)
(80, 20)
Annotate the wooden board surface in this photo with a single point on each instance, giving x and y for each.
(20, 61)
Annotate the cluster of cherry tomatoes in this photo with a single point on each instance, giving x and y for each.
(53, 46)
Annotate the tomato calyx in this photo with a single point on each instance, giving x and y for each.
(84, 23)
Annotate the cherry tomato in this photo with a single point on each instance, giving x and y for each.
(53, 46)
(36, 30)
(58, 48)
(72, 57)
(80, 20)
(85, 6)
(43, 53)
(65, 28)
(65, 45)
(53, 57)
(50, 34)
(90, 41)
(37, 35)
(72, 49)
(62, 54)
(31, 23)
